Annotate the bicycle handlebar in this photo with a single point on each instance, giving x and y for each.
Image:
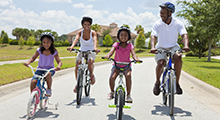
(122, 63)
(77, 50)
(47, 71)
(169, 51)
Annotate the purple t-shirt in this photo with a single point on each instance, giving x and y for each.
(122, 54)
(46, 61)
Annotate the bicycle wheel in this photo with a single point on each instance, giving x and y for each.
(164, 96)
(87, 83)
(32, 104)
(120, 101)
(43, 100)
(79, 86)
(171, 95)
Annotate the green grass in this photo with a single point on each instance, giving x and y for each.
(203, 70)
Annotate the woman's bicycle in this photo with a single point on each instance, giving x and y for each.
(83, 75)
(168, 84)
(38, 94)
(119, 102)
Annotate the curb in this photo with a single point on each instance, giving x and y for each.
(201, 85)
(13, 87)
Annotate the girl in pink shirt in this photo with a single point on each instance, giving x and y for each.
(122, 51)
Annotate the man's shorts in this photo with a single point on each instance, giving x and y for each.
(40, 72)
(163, 55)
(91, 56)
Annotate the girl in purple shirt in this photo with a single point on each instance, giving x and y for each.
(47, 53)
(122, 54)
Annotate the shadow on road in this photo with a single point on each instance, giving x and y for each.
(42, 114)
(164, 110)
(124, 117)
(84, 102)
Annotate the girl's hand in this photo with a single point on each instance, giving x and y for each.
(57, 68)
(25, 64)
(138, 60)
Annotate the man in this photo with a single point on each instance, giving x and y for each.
(166, 31)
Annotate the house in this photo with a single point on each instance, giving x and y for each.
(113, 26)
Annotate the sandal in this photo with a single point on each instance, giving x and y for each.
(92, 79)
(110, 96)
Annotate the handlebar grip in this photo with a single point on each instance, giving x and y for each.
(103, 57)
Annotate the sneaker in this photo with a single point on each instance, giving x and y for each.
(156, 89)
(48, 93)
(178, 89)
(129, 99)
(110, 96)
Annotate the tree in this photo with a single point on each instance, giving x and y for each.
(96, 28)
(0, 40)
(140, 41)
(139, 28)
(17, 33)
(5, 39)
(55, 34)
(106, 32)
(25, 33)
(31, 41)
(107, 41)
(147, 35)
(126, 25)
(38, 33)
(21, 42)
(204, 16)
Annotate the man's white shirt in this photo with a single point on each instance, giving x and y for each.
(168, 34)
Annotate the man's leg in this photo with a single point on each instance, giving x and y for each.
(178, 66)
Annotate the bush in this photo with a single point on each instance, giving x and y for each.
(13, 42)
(37, 43)
(57, 44)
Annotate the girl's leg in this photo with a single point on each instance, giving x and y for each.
(33, 84)
(49, 80)
(91, 68)
(112, 78)
(127, 74)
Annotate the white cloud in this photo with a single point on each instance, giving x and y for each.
(81, 5)
(61, 1)
(4, 3)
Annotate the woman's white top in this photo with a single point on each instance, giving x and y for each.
(86, 44)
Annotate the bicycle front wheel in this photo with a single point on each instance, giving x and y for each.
(43, 100)
(32, 104)
(120, 104)
(87, 83)
(164, 96)
(79, 86)
(171, 96)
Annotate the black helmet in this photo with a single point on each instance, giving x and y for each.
(169, 6)
(88, 19)
(47, 34)
(125, 29)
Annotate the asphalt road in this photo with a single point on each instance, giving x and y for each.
(95, 107)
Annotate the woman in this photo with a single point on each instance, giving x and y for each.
(88, 41)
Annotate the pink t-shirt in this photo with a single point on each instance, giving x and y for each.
(122, 54)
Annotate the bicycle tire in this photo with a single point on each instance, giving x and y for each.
(32, 106)
(87, 83)
(79, 86)
(43, 101)
(171, 96)
(119, 108)
(164, 96)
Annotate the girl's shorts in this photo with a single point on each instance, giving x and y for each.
(40, 72)
(126, 67)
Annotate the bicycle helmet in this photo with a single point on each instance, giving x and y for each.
(169, 6)
(47, 34)
(123, 28)
(88, 19)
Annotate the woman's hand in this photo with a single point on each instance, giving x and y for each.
(70, 48)
(97, 51)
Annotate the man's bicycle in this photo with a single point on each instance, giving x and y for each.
(83, 75)
(119, 102)
(168, 84)
(38, 94)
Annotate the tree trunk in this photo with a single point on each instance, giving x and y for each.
(209, 52)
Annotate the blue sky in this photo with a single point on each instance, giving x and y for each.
(64, 16)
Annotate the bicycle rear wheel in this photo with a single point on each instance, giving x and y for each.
(171, 96)
(79, 86)
(119, 108)
(32, 104)
(43, 100)
(87, 83)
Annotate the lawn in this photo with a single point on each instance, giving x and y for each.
(203, 70)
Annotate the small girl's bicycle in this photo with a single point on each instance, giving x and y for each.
(83, 75)
(119, 102)
(38, 94)
(168, 84)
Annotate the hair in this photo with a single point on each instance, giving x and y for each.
(52, 48)
(86, 19)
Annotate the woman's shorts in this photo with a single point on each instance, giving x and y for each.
(91, 56)
(163, 55)
(40, 72)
